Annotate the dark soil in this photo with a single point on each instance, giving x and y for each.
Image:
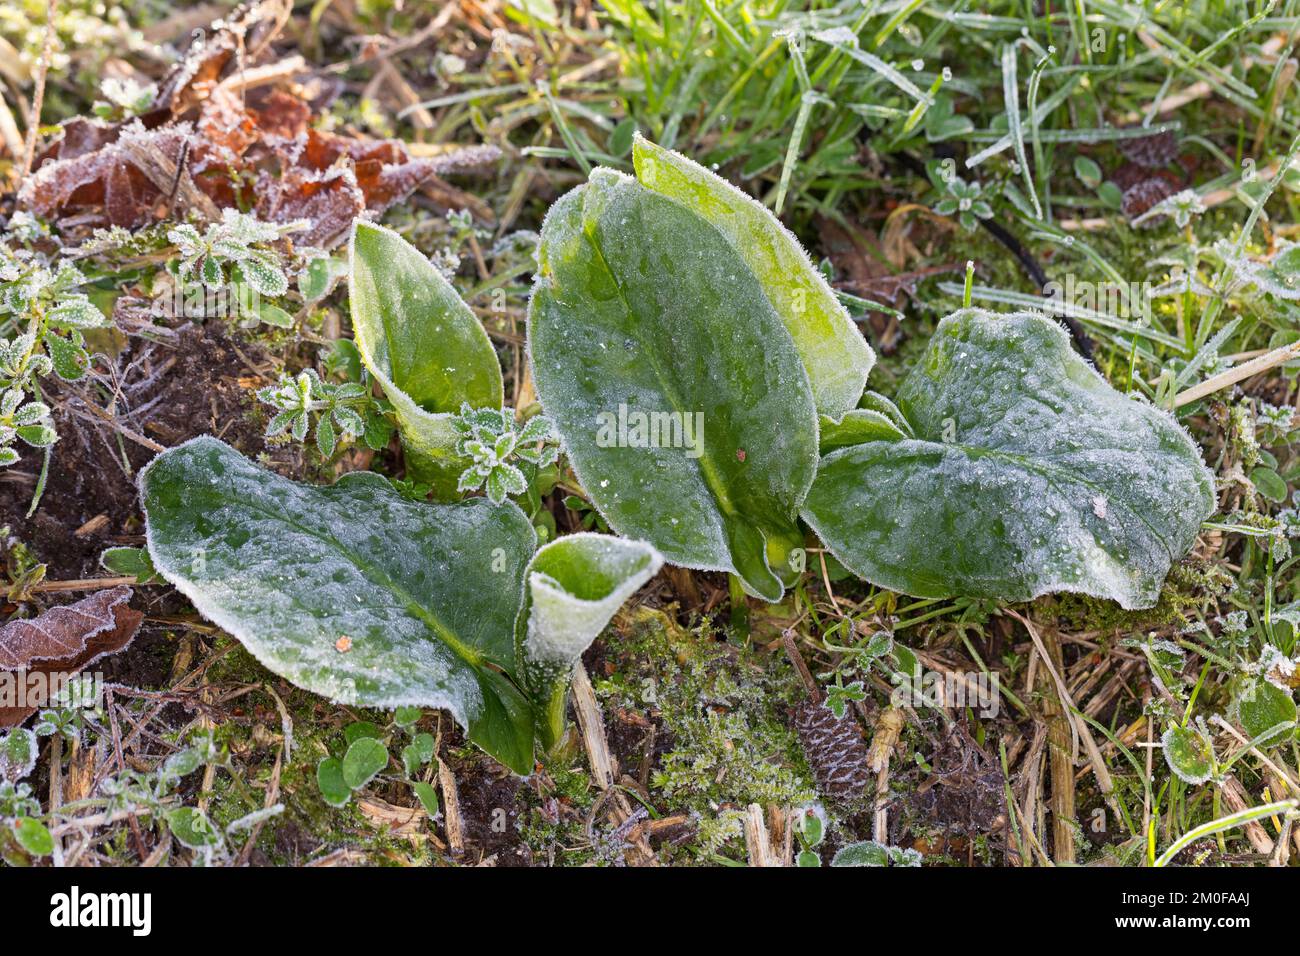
(164, 391)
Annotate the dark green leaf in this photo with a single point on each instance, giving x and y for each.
(329, 777)
(351, 591)
(1028, 474)
(634, 316)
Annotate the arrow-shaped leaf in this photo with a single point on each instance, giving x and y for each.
(351, 591)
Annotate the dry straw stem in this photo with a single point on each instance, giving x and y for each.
(451, 809)
(1078, 725)
(757, 840)
(38, 94)
(1238, 373)
(1060, 737)
(604, 768)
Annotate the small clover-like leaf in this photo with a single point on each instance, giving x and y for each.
(364, 760)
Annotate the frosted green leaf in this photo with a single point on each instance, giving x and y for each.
(33, 836)
(18, 751)
(192, 828)
(329, 778)
(866, 853)
(1188, 754)
(425, 346)
(575, 585)
(1028, 474)
(428, 798)
(859, 425)
(689, 429)
(1261, 706)
(835, 355)
(351, 591)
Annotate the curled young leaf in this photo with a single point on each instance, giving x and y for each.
(1028, 474)
(574, 585)
(426, 348)
(351, 591)
(834, 353)
(689, 429)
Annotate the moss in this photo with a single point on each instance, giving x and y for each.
(720, 706)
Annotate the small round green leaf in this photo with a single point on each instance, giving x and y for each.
(329, 777)
(363, 761)
(33, 836)
(428, 798)
(1188, 754)
(362, 728)
(192, 828)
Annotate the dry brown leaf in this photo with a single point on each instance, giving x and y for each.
(231, 43)
(66, 640)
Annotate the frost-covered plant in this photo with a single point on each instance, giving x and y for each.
(22, 834)
(236, 248)
(810, 829)
(124, 99)
(871, 853)
(964, 199)
(360, 594)
(1007, 469)
(43, 314)
(366, 757)
(489, 439)
(335, 407)
(1180, 207)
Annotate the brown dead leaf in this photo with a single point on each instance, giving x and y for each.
(219, 120)
(230, 44)
(400, 821)
(329, 180)
(66, 640)
(98, 169)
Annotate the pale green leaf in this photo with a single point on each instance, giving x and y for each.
(575, 585)
(18, 751)
(834, 353)
(426, 348)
